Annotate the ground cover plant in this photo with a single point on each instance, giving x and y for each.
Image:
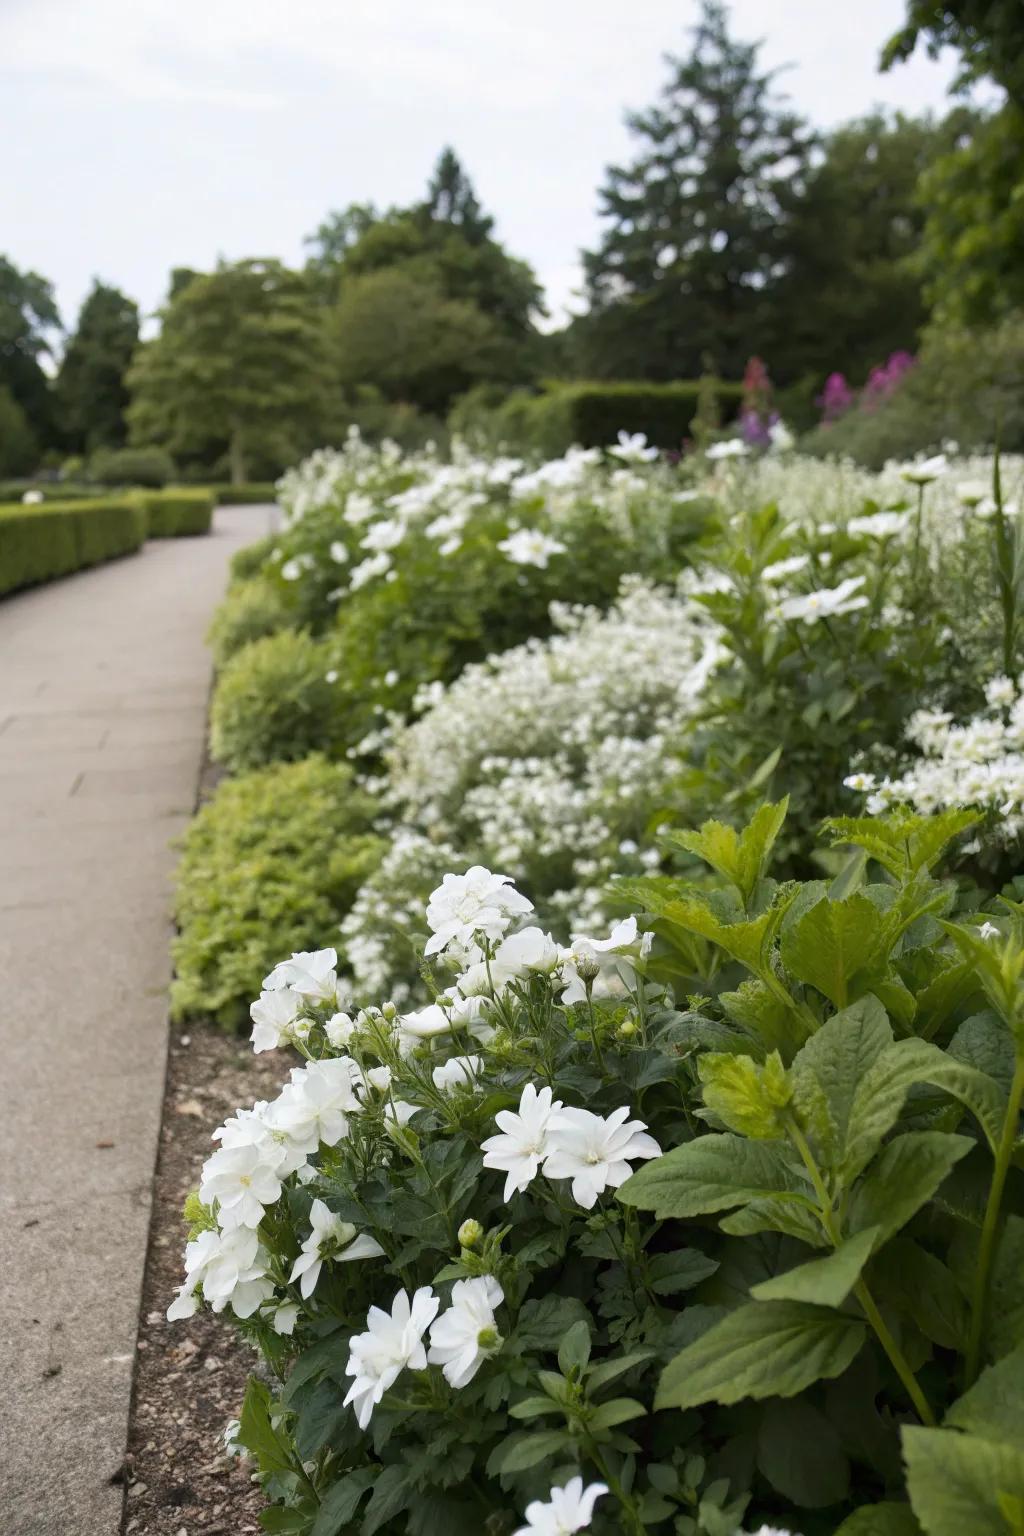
(743, 1254)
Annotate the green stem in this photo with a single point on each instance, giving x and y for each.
(990, 1226)
(629, 1509)
(869, 1306)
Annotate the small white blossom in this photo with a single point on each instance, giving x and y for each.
(568, 1510)
(528, 546)
(476, 903)
(522, 1146)
(594, 1151)
(466, 1335)
(392, 1342)
(633, 449)
(457, 1072)
(330, 1239)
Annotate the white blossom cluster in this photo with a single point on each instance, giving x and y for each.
(472, 919)
(979, 763)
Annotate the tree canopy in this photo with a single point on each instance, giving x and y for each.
(28, 319)
(92, 393)
(241, 364)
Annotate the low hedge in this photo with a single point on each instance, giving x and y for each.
(46, 540)
(176, 512)
(49, 490)
(258, 494)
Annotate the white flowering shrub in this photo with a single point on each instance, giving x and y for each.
(553, 1253)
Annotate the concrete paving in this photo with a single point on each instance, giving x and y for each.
(104, 680)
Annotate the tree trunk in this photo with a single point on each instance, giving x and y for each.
(237, 455)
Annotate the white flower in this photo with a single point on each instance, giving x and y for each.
(384, 535)
(732, 448)
(972, 492)
(330, 1238)
(457, 1072)
(242, 1182)
(424, 1024)
(314, 1107)
(284, 1318)
(392, 1342)
(310, 973)
(339, 1030)
(231, 1268)
(608, 963)
(863, 782)
(780, 569)
(531, 949)
(32, 498)
(829, 602)
(924, 471)
(988, 931)
(633, 449)
(878, 525)
(568, 1510)
(273, 1014)
(528, 546)
(595, 1151)
(368, 570)
(782, 439)
(1000, 692)
(477, 902)
(466, 1335)
(523, 1145)
(339, 554)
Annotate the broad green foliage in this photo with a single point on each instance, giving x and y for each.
(254, 607)
(259, 877)
(274, 703)
(38, 543)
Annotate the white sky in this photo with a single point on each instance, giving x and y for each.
(144, 134)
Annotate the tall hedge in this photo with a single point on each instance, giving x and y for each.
(177, 512)
(592, 415)
(38, 543)
(257, 494)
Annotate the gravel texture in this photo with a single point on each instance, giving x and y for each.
(190, 1376)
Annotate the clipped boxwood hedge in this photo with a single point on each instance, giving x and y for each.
(177, 512)
(257, 494)
(595, 414)
(46, 540)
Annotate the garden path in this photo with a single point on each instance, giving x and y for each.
(104, 680)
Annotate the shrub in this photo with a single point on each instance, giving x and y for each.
(270, 864)
(250, 560)
(19, 450)
(594, 414)
(274, 702)
(131, 466)
(252, 609)
(40, 542)
(726, 1261)
(245, 495)
(966, 387)
(176, 513)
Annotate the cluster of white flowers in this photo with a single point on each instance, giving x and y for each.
(979, 763)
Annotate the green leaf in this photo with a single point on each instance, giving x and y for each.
(669, 1273)
(600, 1376)
(925, 1290)
(741, 857)
(619, 1411)
(959, 1484)
(839, 1059)
(828, 1281)
(1006, 1320)
(791, 1214)
(257, 1433)
(994, 1406)
(574, 1350)
(801, 1455)
(524, 1450)
(903, 1177)
(763, 1349)
(902, 842)
(709, 1174)
(341, 1501)
(532, 1407)
(746, 1095)
(393, 1491)
(748, 942)
(282, 1522)
(544, 1323)
(881, 1520)
(835, 943)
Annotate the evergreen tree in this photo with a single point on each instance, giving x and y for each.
(696, 221)
(28, 316)
(92, 394)
(451, 199)
(242, 364)
(988, 35)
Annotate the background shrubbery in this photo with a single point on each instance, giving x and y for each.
(38, 543)
(273, 702)
(270, 865)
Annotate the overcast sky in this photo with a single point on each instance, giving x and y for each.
(143, 134)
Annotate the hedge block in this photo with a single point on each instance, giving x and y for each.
(46, 540)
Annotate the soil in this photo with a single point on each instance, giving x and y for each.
(190, 1376)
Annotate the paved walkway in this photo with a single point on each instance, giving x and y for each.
(103, 689)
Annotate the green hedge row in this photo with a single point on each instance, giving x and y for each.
(595, 414)
(40, 542)
(258, 494)
(50, 490)
(177, 512)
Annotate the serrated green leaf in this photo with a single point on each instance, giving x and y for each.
(393, 1491)
(800, 1454)
(340, 1502)
(881, 1520)
(709, 1174)
(1006, 1314)
(746, 1095)
(902, 842)
(747, 942)
(838, 947)
(840, 1059)
(763, 1349)
(925, 1290)
(793, 1215)
(257, 1433)
(958, 1483)
(827, 1282)
(741, 857)
(994, 1406)
(670, 1273)
(903, 1177)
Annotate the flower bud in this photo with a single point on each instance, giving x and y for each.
(470, 1233)
(627, 1030)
